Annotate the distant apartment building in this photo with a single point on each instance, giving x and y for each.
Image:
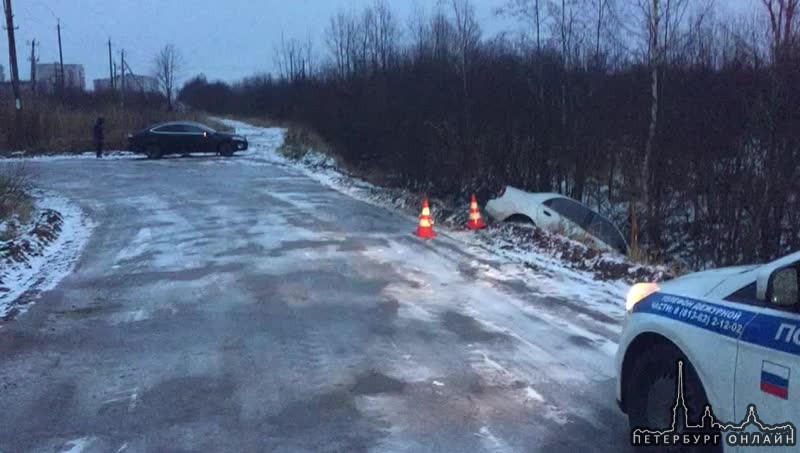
(48, 76)
(2, 74)
(133, 83)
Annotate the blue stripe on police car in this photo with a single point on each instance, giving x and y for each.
(773, 332)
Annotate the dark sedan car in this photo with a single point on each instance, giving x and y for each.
(184, 137)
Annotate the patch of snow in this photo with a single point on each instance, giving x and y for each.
(491, 442)
(490, 370)
(87, 155)
(533, 395)
(77, 445)
(46, 270)
(137, 247)
(125, 317)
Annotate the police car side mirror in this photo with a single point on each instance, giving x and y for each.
(782, 287)
(766, 271)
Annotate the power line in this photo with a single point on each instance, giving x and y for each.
(50, 10)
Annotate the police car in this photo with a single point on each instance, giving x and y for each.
(737, 332)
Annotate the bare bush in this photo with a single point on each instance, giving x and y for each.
(300, 140)
(16, 205)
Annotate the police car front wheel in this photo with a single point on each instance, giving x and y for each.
(653, 394)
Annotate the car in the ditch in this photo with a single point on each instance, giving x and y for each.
(557, 213)
(184, 137)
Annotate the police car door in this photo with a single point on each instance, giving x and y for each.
(768, 364)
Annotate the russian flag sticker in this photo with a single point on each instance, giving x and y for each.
(775, 379)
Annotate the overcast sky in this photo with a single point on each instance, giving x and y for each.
(225, 39)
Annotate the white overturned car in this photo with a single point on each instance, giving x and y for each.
(736, 333)
(557, 213)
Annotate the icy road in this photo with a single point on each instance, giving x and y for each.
(239, 305)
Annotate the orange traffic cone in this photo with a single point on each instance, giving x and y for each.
(475, 221)
(425, 228)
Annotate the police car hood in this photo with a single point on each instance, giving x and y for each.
(703, 282)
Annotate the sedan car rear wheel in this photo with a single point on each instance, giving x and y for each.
(226, 150)
(153, 152)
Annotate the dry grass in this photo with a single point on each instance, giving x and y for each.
(642, 255)
(299, 140)
(49, 126)
(16, 206)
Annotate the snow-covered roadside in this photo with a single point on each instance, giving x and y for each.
(508, 243)
(86, 155)
(43, 254)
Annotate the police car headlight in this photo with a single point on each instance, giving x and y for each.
(638, 292)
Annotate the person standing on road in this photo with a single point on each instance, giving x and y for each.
(99, 135)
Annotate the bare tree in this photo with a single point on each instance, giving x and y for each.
(340, 37)
(654, 57)
(168, 64)
(783, 21)
(602, 8)
(294, 58)
(436, 37)
(673, 16)
(569, 29)
(468, 34)
(530, 11)
(779, 153)
(533, 13)
(386, 35)
(365, 34)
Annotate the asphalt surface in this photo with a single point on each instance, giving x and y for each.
(223, 305)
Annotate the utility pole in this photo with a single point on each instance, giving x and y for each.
(110, 65)
(12, 56)
(134, 78)
(34, 59)
(122, 73)
(60, 59)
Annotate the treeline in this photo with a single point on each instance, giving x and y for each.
(679, 123)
